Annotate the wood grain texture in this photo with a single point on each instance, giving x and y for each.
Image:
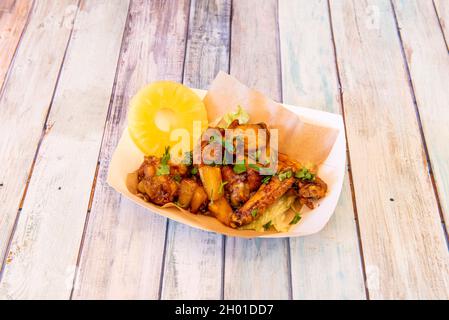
(124, 243)
(326, 265)
(403, 243)
(13, 18)
(256, 268)
(442, 9)
(46, 241)
(428, 62)
(194, 258)
(25, 101)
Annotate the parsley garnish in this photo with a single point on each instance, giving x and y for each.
(162, 170)
(166, 156)
(239, 168)
(295, 219)
(177, 178)
(267, 225)
(254, 166)
(305, 174)
(188, 156)
(297, 216)
(163, 167)
(194, 171)
(222, 184)
(285, 175)
(254, 213)
(266, 179)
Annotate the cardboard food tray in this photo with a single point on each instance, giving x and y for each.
(127, 158)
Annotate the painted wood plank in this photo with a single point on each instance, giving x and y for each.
(25, 101)
(194, 258)
(327, 265)
(442, 9)
(46, 242)
(428, 62)
(256, 268)
(403, 243)
(123, 250)
(13, 18)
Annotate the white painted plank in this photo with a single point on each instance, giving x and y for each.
(25, 101)
(13, 18)
(442, 9)
(256, 268)
(326, 265)
(46, 242)
(124, 243)
(403, 243)
(194, 258)
(428, 62)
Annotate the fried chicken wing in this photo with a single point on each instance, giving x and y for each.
(264, 197)
(311, 191)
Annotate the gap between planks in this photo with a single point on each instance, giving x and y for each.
(11, 62)
(94, 182)
(418, 117)
(440, 24)
(164, 253)
(46, 128)
(351, 180)
(281, 96)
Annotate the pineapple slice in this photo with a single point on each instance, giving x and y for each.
(158, 109)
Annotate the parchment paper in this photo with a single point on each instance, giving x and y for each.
(306, 135)
(302, 141)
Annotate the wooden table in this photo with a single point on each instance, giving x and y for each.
(68, 69)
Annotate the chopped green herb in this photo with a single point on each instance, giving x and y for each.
(222, 184)
(188, 156)
(240, 114)
(304, 174)
(164, 168)
(295, 219)
(177, 178)
(285, 175)
(254, 166)
(266, 179)
(254, 213)
(297, 216)
(239, 168)
(166, 156)
(194, 170)
(267, 225)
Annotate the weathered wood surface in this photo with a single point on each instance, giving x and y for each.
(74, 237)
(13, 18)
(442, 9)
(428, 62)
(46, 241)
(327, 265)
(404, 247)
(122, 256)
(25, 102)
(194, 258)
(256, 268)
